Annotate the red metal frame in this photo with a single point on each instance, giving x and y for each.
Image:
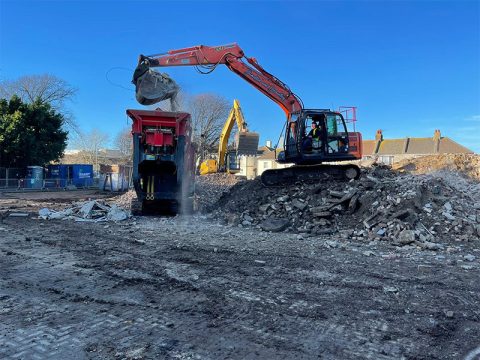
(155, 118)
(349, 114)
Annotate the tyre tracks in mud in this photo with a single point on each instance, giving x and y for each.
(203, 291)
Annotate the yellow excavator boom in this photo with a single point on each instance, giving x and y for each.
(211, 166)
(235, 115)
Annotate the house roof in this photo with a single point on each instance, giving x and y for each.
(421, 146)
(368, 146)
(391, 146)
(262, 149)
(449, 146)
(413, 146)
(269, 155)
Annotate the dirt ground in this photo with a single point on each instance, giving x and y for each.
(189, 288)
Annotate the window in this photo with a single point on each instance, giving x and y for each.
(292, 133)
(332, 127)
(386, 159)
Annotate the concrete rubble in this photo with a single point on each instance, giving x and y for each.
(91, 211)
(125, 200)
(383, 205)
(210, 188)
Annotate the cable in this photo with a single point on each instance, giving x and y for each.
(115, 84)
(210, 67)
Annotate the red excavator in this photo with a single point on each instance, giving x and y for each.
(308, 150)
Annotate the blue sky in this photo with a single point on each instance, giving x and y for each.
(409, 67)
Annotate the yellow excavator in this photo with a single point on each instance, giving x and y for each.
(246, 144)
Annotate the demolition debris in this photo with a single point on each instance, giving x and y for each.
(211, 187)
(92, 211)
(404, 209)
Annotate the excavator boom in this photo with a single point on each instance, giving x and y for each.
(207, 58)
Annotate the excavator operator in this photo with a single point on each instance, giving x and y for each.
(315, 132)
(312, 137)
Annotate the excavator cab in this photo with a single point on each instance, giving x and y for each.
(232, 162)
(329, 141)
(333, 143)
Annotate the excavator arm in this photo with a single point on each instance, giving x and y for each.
(207, 58)
(235, 116)
(225, 134)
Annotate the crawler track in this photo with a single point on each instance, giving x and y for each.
(279, 177)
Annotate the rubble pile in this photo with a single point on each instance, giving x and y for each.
(92, 211)
(211, 187)
(382, 205)
(125, 200)
(465, 164)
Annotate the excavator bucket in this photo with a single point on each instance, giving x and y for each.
(247, 143)
(152, 87)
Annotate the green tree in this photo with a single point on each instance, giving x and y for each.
(30, 133)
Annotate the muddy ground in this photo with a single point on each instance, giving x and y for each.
(189, 288)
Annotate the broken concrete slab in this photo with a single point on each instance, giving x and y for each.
(346, 197)
(320, 212)
(406, 237)
(18, 214)
(429, 245)
(448, 215)
(92, 210)
(274, 225)
(299, 204)
(263, 208)
(470, 257)
(337, 194)
(353, 204)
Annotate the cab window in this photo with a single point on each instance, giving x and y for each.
(332, 124)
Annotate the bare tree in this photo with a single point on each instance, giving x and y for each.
(89, 145)
(45, 88)
(209, 112)
(124, 143)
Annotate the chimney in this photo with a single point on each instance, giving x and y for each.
(436, 141)
(405, 145)
(378, 140)
(268, 143)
